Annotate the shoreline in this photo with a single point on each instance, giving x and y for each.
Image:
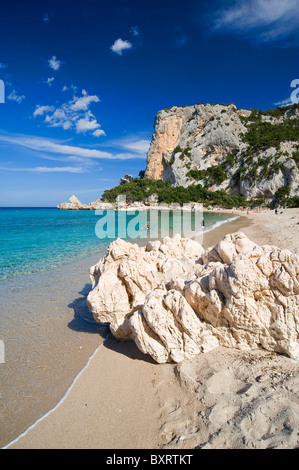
(136, 373)
(48, 332)
(65, 288)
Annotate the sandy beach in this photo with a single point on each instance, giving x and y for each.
(264, 227)
(122, 399)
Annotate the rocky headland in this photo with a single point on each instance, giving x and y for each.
(75, 205)
(215, 154)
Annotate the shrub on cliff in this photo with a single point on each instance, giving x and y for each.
(262, 135)
(141, 189)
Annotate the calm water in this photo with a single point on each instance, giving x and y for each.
(37, 239)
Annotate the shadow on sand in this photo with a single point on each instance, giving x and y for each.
(128, 348)
(83, 321)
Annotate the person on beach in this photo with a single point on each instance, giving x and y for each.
(147, 225)
(202, 223)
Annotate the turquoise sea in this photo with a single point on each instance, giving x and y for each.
(38, 239)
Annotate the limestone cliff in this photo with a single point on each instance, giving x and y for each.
(245, 152)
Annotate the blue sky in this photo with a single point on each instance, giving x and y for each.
(84, 80)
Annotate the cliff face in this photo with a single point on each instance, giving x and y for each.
(244, 152)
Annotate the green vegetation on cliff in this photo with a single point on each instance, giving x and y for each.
(263, 135)
(141, 189)
(215, 174)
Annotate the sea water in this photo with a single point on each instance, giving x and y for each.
(38, 239)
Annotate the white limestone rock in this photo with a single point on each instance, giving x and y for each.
(73, 204)
(252, 301)
(176, 300)
(127, 273)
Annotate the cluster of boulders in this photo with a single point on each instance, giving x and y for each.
(177, 300)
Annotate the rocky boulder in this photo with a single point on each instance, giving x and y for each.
(74, 205)
(177, 300)
(126, 179)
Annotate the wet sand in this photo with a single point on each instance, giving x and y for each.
(213, 237)
(49, 335)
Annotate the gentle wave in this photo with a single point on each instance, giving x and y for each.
(60, 401)
(217, 225)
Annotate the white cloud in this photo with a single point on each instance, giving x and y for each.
(82, 104)
(59, 169)
(14, 97)
(58, 119)
(40, 110)
(284, 102)
(98, 132)
(134, 144)
(72, 87)
(2, 66)
(259, 20)
(60, 149)
(74, 114)
(45, 169)
(50, 80)
(54, 63)
(46, 18)
(86, 124)
(119, 46)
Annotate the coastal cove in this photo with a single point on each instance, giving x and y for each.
(102, 395)
(149, 228)
(118, 371)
